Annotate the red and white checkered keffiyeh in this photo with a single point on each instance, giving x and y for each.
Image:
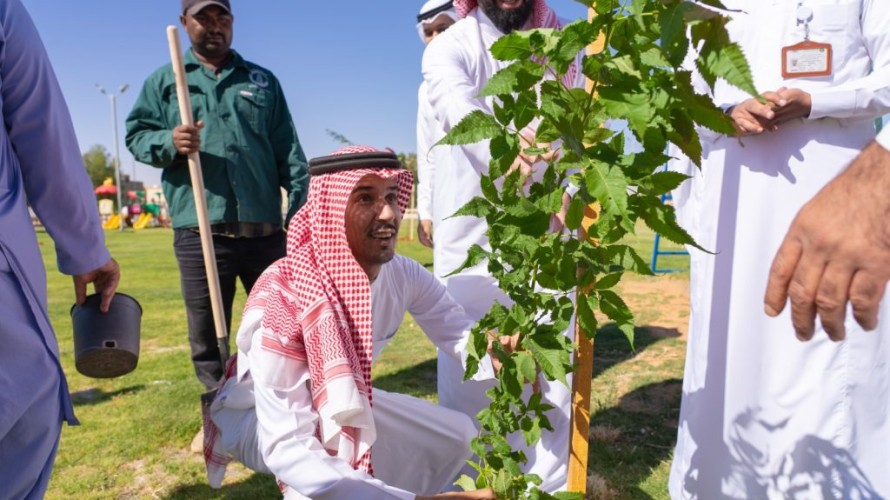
(315, 308)
(316, 305)
(542, 17)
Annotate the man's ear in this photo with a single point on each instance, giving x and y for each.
(182, 20)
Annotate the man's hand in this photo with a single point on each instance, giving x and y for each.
(425, 233)
(187, 138)
(104, 280)
(508, 343)
(486, 494)
(837, 250)
(791, 104)
(752, 117)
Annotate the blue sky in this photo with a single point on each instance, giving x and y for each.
(352, 67)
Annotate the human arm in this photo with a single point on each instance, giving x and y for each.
(441, 318)
(150, 135)
(453, 92)
(286, 428)
(426, 127)
(289, 156)
(837, 250)
(42, 136)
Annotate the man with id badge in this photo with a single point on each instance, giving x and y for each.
(763, 414)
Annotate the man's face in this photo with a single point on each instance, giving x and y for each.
(433, 29)
(210, 31)
(372, 222)
(507, 15)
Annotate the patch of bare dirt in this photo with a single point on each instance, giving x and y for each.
(660, 303)
(598, 488)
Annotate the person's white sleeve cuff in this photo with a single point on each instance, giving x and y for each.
(832, 103)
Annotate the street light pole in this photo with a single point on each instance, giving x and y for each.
(117, 153)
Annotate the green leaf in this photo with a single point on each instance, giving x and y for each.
(608, 185)
(586, 318)
(614, 306)
(476, 126)
(575, 214)
(531, 430)
(465, 483)
(525, 364)
(673, 32)
(607, 281)
(526, 109)
(628, 104)
(515, 46)
(661, 219)
(730, 64)
(663, 182)
(519, 76)
(477, 207)
(574, 38)
(475, 255)
(549, 359)
(502, 484)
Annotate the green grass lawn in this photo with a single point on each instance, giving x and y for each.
(136, 429)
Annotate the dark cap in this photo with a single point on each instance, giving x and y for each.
(192, 7)
(354, 161)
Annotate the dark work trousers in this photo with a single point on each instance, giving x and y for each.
(236, 258)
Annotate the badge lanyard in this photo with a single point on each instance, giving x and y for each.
(807, 58)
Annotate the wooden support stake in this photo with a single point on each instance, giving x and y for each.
(581, 380)
(185, 110)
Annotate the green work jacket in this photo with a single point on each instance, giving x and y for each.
(249, 145)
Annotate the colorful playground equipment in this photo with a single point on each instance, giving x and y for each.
(143, 220)
(113, 222)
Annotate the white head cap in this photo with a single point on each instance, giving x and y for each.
(431, 10)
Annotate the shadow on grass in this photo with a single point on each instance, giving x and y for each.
(94, 396)
(418, 380)
(629, 440)
(611, 347)
(255, 486)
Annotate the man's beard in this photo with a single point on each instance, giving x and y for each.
(507, 20)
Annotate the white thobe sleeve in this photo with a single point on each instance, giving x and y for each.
(868, 96)
(884, 138)
(453, 94)
(426, 130)
(286, 429)
(442, 319)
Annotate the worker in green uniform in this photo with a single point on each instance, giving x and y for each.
(249, 150)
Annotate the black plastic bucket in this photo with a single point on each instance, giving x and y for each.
(106, 345)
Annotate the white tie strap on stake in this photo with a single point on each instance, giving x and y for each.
(185, 111)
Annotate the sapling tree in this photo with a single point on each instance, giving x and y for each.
(641, 77)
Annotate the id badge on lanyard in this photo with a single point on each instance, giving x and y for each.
(807, 58)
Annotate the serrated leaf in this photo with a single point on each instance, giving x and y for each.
(526, 366)
(633, 106)
(614, 307)
(550, 360)
(476, 126)
(477, 207)
(526, 109)
(607, 281)
(475, 256)
(574, 38)
(729, 63)
(531, 430)
(661, 219)
(608, 185)
(575, 213)
(664, 182)
(519, 76)
(586, 318)
(502, 484)
(673, 32)
(515, 46)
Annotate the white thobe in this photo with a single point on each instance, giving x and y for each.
(420, 446)
(456, 66)
(763, 414)
(428, 133)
